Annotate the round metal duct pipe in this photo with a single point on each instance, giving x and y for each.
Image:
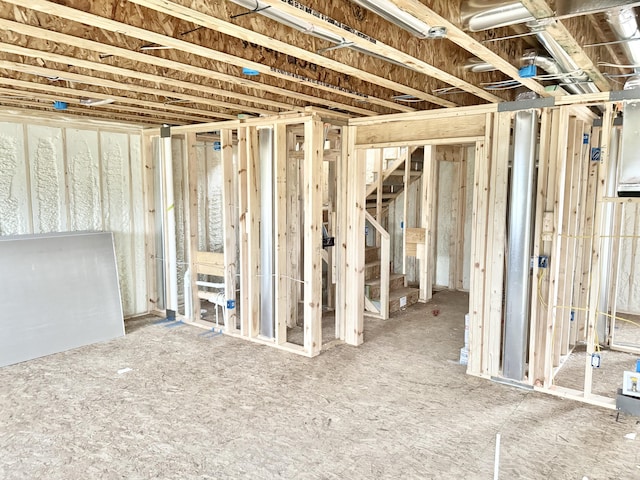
(477, 15)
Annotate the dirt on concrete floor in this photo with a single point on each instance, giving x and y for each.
(214, 407)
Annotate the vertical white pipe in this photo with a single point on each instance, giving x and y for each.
(170, 255)
(496, 460)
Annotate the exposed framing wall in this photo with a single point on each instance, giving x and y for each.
(297, 227)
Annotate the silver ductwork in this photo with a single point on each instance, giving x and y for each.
(476, 15)
(518, 281)
(547, 64)
(309, 29)
(624, 25)
(477, 65)
(578, 83)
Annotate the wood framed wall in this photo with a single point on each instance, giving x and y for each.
(298, 150)
(567, 228)
(429, 130)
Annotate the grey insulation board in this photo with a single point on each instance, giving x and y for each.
(57, 292)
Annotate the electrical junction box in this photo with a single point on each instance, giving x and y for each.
(527, 71)
(631, 384)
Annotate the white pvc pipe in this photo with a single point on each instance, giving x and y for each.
(496, 461)
(210, 284)
(188, 299)
(171, 270)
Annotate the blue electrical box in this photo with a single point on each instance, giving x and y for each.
(528, 71)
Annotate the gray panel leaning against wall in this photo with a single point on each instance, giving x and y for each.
(77, 178)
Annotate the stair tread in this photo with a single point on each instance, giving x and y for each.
(376, 281)
(402, 292)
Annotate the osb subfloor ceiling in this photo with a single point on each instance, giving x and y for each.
(150, 62)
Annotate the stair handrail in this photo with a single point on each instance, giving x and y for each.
(385, 263)
(390, 169)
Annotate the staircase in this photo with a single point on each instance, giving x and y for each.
(385, 292)
(394, 170)
(399, 296)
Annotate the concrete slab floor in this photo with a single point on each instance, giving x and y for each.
(197, 407)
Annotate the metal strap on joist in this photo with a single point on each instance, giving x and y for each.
(633, 94)
(618, 121)
(526, 104)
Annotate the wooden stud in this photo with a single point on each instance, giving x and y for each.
(478, 257)
(243, 186)
(341, 234)
(462, 214)
(191, 203)
(294, 231)
(253, 230)
(354, 252)
(282, 306)
(594, 291)
(230, 219)
(498, 138)
(428, 195)
(555, 202)
(313, 147)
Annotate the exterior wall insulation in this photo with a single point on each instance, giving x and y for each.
(177, 154)
(117, 205)
(46, 165)
(15, 215)
(628, 285)
(77, 179)
(210, 224)
(83, 157)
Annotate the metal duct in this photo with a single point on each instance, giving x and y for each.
(567, 64)
(477, 15)
(476, 65)
(629, 170)
(267, 293)
(308, 28)
(518, 281)
(624, 25)
(607, 240)
(395, 15)
(572, 8)
(550, 66)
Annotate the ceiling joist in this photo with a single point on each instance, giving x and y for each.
(460, 38)
(168, 82)
(75, 15)
(541, 10)
(104, 49)
(171, 111)
(213, 23)
(378, 47)
(93, 80)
